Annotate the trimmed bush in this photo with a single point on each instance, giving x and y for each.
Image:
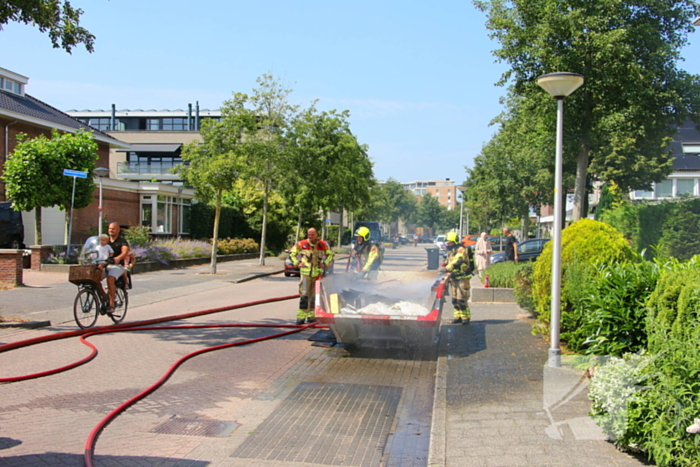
(232, 246)
(585, 243)
(523, 288)
(503, 274)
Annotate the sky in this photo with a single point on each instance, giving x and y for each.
(417, 77)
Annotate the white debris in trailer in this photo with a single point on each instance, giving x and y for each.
(396, 309)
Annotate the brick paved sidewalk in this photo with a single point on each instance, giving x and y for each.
(497, 404)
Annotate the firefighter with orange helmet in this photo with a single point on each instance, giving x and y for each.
(368, 253)
(460, 266)
(312, 255)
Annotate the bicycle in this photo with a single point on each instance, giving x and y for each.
(91, 300)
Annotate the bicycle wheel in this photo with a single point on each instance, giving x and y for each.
(85, 308)
(121, 302)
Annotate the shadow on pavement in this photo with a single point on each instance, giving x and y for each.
(60, 458)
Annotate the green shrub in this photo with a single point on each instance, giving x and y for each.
(674, 304)
(232, 246)
(523, 288)
(671, 400)
(586, 242)
(503, 274)
(668, 405)
(680, 236)
(137, 235)
(612, 314)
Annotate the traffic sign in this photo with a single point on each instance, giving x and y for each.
(74, 173)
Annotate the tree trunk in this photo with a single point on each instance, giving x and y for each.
(37, 225)
(298, 227)
(526, 225)
(266, 194)
(580, 187)
(215, 236)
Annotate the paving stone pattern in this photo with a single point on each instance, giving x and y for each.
(495, 411)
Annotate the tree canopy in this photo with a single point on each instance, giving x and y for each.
(58, 18)
(619, 124)
(34, 173)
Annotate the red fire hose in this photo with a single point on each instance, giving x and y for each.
(140, 326)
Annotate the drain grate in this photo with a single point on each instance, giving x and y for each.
(325, 423)
(193, 427)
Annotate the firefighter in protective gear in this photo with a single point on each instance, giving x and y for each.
(460, 266)
(312, 256)
(368, 253)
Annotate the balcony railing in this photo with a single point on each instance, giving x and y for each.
(139, 168)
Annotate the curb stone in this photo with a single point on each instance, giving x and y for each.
(25, 324)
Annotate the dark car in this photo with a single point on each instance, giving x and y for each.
(11, 227)
(291, 270)
(528, 250)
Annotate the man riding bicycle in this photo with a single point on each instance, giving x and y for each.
(120, 246)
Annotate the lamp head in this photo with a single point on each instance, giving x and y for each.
(561, 84)
(101, 172)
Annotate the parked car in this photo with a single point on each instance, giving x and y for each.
(440, 242)
(11, 227)
(470, 241)
(291, 270)
(529, 250)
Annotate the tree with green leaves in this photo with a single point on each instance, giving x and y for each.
(513, 173)
(327, 168)
(213, 166)
(34, 174)
(619, 124)
(396, 203)
(429, 212)
(264, 148)
(58, 18)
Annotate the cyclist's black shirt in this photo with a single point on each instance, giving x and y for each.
(117, 245)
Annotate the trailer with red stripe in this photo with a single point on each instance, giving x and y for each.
(342, 304)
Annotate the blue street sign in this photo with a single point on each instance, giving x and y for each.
(74, 173)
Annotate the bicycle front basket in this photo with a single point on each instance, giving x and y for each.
(87, 273)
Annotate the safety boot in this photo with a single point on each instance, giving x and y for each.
(310, 320)
(457, 321)
(300, 321)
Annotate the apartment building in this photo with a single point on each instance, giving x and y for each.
(156, 139)
(445, 191)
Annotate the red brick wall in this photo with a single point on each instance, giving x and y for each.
(33, 132)
(117, 206)
(11, 268)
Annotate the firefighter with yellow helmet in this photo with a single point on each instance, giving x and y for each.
(368, 254)
(460, 266)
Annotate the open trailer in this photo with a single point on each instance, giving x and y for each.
(400, 310)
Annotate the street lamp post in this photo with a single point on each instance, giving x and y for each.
(558, 85)
(461, 216)
(101, 172)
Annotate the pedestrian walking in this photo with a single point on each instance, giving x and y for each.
(312, 255)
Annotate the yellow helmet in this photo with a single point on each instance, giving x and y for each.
(362, 232)
(452, 237)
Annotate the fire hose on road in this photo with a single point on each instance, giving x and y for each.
(142, 326)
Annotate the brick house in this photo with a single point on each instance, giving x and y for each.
(122, 201)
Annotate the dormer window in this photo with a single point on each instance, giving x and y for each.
(12, 82)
